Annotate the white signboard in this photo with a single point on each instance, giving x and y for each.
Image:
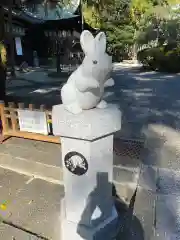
(18, 46)
(33, 121)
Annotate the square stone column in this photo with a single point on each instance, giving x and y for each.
(87, 155)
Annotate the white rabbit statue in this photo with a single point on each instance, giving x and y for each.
(85, 86)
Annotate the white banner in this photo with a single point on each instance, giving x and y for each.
(33, 121)
(18, 46)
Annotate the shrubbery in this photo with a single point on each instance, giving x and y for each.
(165, 59)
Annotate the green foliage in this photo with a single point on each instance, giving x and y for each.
(91, 16)
(150, 58)
(165, 58)
(132, 23)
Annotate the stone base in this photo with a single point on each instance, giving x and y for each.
(104, 231)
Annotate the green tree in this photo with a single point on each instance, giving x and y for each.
(113, 18)
(139, 11)
(158, 22)
(122, 21)
(119, 29)
(91, 16)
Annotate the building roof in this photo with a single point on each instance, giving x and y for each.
(19, 14)
(49, 10)
(74, 22)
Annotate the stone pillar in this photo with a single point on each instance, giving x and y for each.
(87, 155)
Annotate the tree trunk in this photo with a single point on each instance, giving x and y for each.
(2, 83)
(58, 56)
(2, 69)
(58, 63)
(82, 16)
(134, 48)
(46, 9)
(134, 52)
(12, 63)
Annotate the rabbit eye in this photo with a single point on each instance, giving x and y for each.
(94, 62)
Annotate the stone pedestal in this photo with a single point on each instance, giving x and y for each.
(87, 154)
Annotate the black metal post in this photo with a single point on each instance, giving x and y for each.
(58, 58)
(2, 68)
(58, 61)
(12, 63)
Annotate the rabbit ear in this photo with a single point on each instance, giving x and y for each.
(87, 41)
(101, 41)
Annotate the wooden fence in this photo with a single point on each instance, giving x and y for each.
(10, 122)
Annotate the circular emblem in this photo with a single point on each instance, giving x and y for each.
(76, 163)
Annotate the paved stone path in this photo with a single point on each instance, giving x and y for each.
(37, 160)
(35, 87)
(34, 206)
(144, 98)
(31, 204)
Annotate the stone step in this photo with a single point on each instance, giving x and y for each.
(54, 173)
(43, 160)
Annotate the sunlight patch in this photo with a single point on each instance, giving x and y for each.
(96, 214)
(108, 94)
(40, 91)
(143, 94)
(147, 73)
(9, 93)
(47, 90)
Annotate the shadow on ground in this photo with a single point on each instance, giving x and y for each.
(47, 94)
(146, 98)
(127, 227)
(130, 227)
(36, 87)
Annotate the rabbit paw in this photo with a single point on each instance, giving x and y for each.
(84, 86)
(102, 104)
(109, 82)
(73, 108)
(93, 84)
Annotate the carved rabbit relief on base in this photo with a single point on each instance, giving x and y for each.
(85, 87)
